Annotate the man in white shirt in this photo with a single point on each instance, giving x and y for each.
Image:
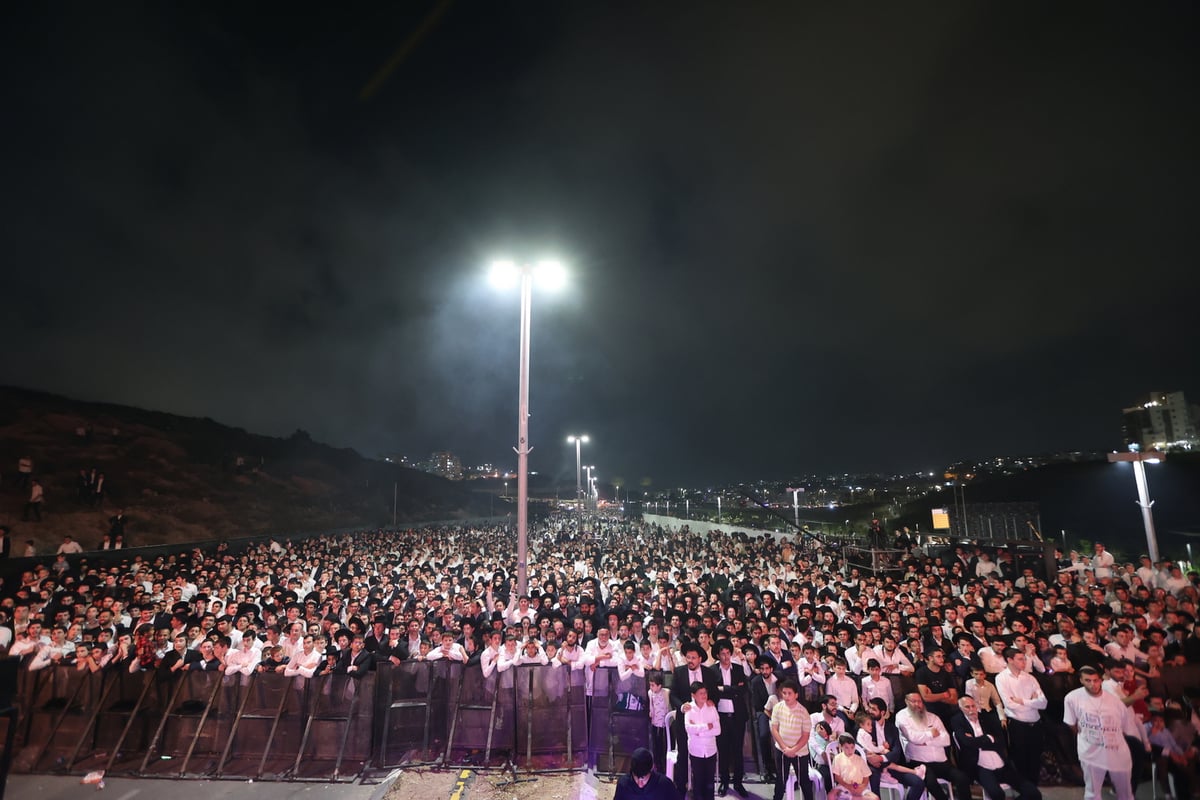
(703, 726)
(1102, 563)
(449, 650)
(571, 654)
(490, 656)
(893, 660)
(600, 652)
(925, 740)
(1023, 701)
(843, 687)
(1101, 724)
(242, 660)
(875, 685)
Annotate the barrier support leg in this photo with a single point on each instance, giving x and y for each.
(137, 709)
(162, 723)
(212, 698)
(87, 728)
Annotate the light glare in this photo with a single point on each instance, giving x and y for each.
(550, 274)
(503, 274)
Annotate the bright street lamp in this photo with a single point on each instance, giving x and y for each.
(1139, 461)
(578, 440)
(504, 274)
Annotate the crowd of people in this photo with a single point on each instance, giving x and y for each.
(960, 667)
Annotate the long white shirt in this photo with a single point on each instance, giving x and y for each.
(241, 661)
(1022, 695)
(917, 736)
(304, 664)
(702, 740)
(895, 664)
(881, 688)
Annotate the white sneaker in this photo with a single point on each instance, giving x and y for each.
(920, 770)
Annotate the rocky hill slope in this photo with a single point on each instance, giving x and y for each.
(183, 479)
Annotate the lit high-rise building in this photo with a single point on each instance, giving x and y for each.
(446, 465)
(1161, 421)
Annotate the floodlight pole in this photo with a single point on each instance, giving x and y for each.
(522, 447)
(1139, 475)
(578, 440)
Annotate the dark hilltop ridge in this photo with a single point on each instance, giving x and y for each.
(183, 479)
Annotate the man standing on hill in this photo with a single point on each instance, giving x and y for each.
(36, 497)
(116, 528)
(69, 547)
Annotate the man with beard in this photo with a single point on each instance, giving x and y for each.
(925, 739)
(882, 745)
(682, 678)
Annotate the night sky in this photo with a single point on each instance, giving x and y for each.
(802, 239)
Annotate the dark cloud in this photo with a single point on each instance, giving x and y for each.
(802, 238)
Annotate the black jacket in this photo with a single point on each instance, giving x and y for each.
(659, 787)
(969, 745)
(681, 689)
(738, 692)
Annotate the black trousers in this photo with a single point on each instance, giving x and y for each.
(1025, 747)
(704, 770)
(797, 763)
(943, 770)
(914, 787)
(990, 780)
(679, 734)
(730, 757)
(766, 744)
(1140, 758)
(658, 746)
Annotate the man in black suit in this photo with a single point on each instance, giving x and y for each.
(885, 733)
(208, 660)
(983, 754)
(681, 702)
(731, 698)
(357, 661)
(762, 687)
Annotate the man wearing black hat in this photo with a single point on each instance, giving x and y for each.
(732, 691)
(681, 701)
(642, 782)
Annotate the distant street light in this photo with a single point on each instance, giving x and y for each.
(1139, 461)
(578, 440)
(551, 275)
(796, 503)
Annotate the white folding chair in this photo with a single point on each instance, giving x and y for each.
(672, 753)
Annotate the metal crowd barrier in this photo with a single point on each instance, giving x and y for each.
(268, 726)
(272, 727)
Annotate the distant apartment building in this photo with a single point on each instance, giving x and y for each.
(446, 465)
(1161, 421)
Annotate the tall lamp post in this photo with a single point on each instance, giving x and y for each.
(796, 504)
(504, 274)
(1139, 461)
(585, 497)
(578, 440)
